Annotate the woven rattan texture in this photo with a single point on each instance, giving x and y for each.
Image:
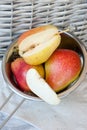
(17, 16)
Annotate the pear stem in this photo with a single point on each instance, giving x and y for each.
(66, 30)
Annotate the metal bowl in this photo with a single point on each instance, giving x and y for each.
(69, 41)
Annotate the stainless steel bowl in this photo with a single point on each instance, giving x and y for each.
(69, 41)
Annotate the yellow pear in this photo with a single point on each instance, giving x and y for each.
(37, 45)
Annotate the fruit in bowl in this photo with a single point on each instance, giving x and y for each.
(19, 68)
(51, 68)
(37, 45)
(62, 68)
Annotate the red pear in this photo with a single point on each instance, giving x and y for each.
(62, 68)
(19, 68)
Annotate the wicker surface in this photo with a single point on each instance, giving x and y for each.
(17, 16)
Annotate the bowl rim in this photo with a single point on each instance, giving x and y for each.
(60, 95)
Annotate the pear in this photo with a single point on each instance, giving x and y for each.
(41, 88)
(62, 68)
(37, 45)
(19, 68)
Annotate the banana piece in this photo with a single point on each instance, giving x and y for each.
(40, 87)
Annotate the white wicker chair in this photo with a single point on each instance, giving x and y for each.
(17, 16)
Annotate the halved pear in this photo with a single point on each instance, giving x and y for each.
(37, 45)
(40, 87)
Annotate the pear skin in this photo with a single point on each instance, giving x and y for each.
(62, 68)
(19, 68)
